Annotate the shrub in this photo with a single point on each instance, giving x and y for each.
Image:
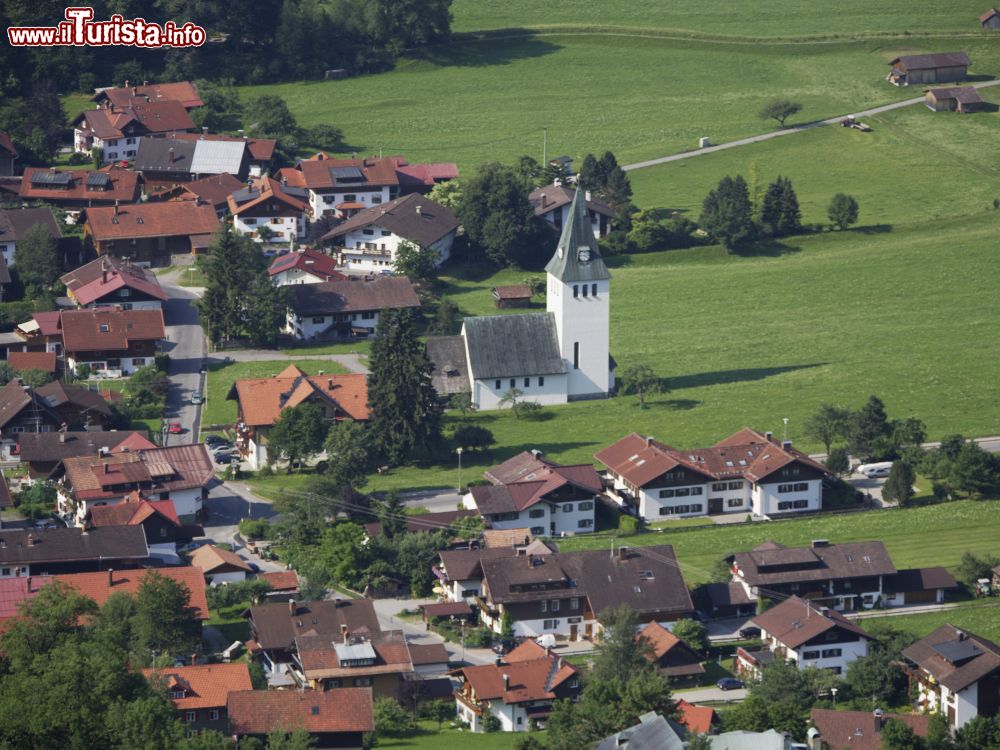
(255, 528)
(161, 362)
(492, 724)
(628, 525)
(391, 719)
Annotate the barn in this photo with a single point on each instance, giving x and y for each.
(936, 68)
(953, 99)
(990, 19)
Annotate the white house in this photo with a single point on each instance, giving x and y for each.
(530, 491)
(956, 673)
(304, 266)
(552, 357)
(343, 309)
(110, 341)
(267, 207)
(807, 635)
(552, 203)
(220, 565)
(748, 472)
(116, 129)
(370, 239)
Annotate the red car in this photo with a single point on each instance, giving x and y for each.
(175, 428)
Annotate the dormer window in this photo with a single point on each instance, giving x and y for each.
(176, 694)
(104, 327)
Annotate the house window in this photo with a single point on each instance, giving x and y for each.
(832, 653)
(567, 508)
(527, 382)
(736, 485)
(574, 603)
(576, 355)
(250, 222)
(550, 624)
(513, 383)
(666, 493)
(537, 530)
(176, 694)
(574, 682)
(375, 198)
(367, 231)
(104, 327)
(697, 490)
(520, 720)
(536, 513)
(541, 381)
(797, 487)
(126, 292)
(333, 683)
(576, 291)
(798, 504)
(498, 385)
(545, 605)
(584, 290)
(386, 232)
(719, 487)
(586, 505)
(163, 532)
(584, 523)
(368, 316)
(362, 681)
(734, 502)
(593, 290)
(555, 605)
(810, 654)
(666, 510)
(192, 716)
(349, 197)
(318, 319)
(213, 715)
(682, 492)
(139, 362)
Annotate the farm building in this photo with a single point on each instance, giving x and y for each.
(943, 67)
(990, 19)
(515, 295)
(954, 99)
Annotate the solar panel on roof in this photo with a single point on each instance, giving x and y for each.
(58, 179)
(297, 192)
(958, 651)
(98, 179)
(246, 194)
(347, 174)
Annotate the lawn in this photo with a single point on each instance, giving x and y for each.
(217, 410)
(981, 618)
(779, 18)
(948, 170)
(431, 739)
(915, 537)
(502, 93)
(230, 622)
(362, 347)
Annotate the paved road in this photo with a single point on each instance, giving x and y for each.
(713, 694)
(228, 503)
(435, 501)
(352, 362)
(785, 131)
(187, 350)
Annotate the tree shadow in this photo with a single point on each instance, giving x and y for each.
(873, 229)
(721, 377)
(677, 404)
(485, 51)
(989, 107)
(979, 77)
(617, 261)
(766, 249)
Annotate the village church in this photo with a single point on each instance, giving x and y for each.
(552, 357)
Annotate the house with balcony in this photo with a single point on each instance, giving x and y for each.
(748, 472)
(844, 577)
(518, 690)
(111, 342)
(259, 151)
(112, 282)
(370, 240)
(43, 452)
(531, 491)
(168, 162)
(270, 212)
(807, 635)
(956, 674)
(333, 719)
(24, 410)
(340, 188)
(213, 191)
(260, 402)
(304, 266)
(158, 519)
(565, 593)
(346, 309)
(460, 572)
(380, 661)
(199, 693)
(149, 233)
(116, 129)
(551, 203)
(184, 92)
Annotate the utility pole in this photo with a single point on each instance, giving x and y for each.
(545, 146)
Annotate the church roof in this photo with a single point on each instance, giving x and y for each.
(507, 346)
(568, 264)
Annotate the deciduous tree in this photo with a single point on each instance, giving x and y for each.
(829, 423)
(640, 379)
(497, 216)
(898, 488)
(780, 110)
(298, 434)
(726, 213)
(416, 263)
(843, 211)
(37, 257)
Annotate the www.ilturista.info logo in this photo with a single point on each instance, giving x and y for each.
(80, 30)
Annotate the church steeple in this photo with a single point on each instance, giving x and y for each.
(577, 257)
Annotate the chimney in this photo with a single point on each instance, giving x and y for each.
(107, 468)
(536, 453)
(170, 155)
(126, 83)
(31, 540)
(111, 577)
(623, 553)
(240, 131)
(29, 584)
(820, 543)
(649, 440)
(586, 196)
(768, 436)
(145, 83)
(62, 436)
(343, 632)
(116, 205)
(506, 682)
(825, 611)
(498, 660)
(786, 444)
(879, 719)
(557, 182)
(291, 607)
(419, 210)
(543, 200)
(204, 129)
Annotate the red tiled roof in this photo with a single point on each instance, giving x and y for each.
(320, 659)
(513, 291)
(167, 469)
(163, 219)
(48, 323)
(203, 685)
(13, 591)
(259, 712)
(93, 281)
(989, 14)
(101, 585)
(45, 361)
(795, 621)
(109, 123)
(210, 558)
(269, 190)
(179, 91)
(124, 187)
(309, 260)
(530, 680)
(263, 399)
(697, 719)
(858, 730)
(134, 442)
(282, 580)
(524, 479)
(134, 511)
(109, 329)
(446, 609)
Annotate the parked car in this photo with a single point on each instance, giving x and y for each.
(197, 398)
(729, 683)
(750, 632)
(224, 447)
(174, 428)
(254, 567)
(224, 459)
(874, 471)
(211, 440)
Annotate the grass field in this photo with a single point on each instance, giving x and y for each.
(500, 94)
(915, 537)
(780, 18)
(217, 410)
(430, 738)
(980, 618)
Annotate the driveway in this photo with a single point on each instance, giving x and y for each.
(435, 501)
(187, 349)
(352, 362)
(712, 694)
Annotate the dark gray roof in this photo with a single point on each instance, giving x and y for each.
(15, 223)
(47, 446)
(936, 60)
(98, 179)
(653, 732)
(413, 217)
(577, 257)
(451, 373)
(164, 155)
(38, 546)
(331, 297)
(821, 562)
(502, 346)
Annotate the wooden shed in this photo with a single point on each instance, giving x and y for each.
(990, 19)
(515, 295)
(953, 99)
(942, 67)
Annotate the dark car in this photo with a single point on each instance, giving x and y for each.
(224, 458)
(254, 567)
(729, 683)
(215, 440)
(750, 632)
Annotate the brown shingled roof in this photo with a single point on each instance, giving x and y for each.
(108, 123)
(259, 712)
(821, 562)
(278, 624)
(209, 558)
(794, 622)
(954, 657)
(101, 585)
(530, 680)
(109, 329)
(123, 185)
(45, 361)
(184, 92)
(413, 217)
(859, 730)
(163, 219)
(334, 297)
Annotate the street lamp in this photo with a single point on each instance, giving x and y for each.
(459, 452)
(164, 429)
(834, 691)
(785, 420)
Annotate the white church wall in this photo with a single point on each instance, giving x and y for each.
(487, 392)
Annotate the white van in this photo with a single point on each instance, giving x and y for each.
(875, 471)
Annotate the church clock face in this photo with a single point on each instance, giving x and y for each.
(584, 254)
